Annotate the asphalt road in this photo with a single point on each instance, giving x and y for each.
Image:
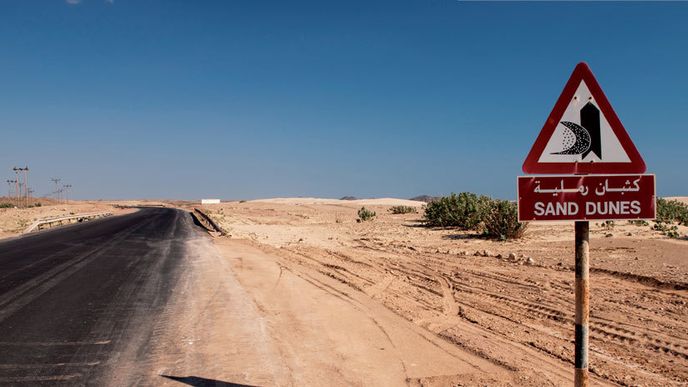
(76, 303)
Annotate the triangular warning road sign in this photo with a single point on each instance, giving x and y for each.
(583, 135)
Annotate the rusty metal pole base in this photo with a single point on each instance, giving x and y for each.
(581, 377)
(582, 302)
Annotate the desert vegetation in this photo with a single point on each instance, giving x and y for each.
(492, 218)
(669, 214)
(670, 211)
(501, 221)
(396, 210)
(608, 225)
(365, 215)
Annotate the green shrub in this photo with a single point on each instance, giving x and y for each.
(667, 229)
(365, 214)
(493, 218)
(465, 210)
(403, 210)
(639, 222)
(670, 211)
(6, 205)
(608, 225)
(501, 221)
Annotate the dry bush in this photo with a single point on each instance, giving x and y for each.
(365, 214)
(501, 221)
(403, 210)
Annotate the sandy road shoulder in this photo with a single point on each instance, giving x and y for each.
(328, 330)
(246, 316)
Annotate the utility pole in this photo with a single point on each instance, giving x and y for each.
(9, 188)
(22, 194)
(19, 195)
(67, 187)
(57, 188)
(26, 183)
(17, 185)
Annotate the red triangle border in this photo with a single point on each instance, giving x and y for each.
(532, 166)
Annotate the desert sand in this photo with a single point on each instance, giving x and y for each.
(300, 293)
(505, 308)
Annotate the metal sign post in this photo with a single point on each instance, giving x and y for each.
(582, 289)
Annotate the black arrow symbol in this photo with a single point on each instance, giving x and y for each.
(590, 120)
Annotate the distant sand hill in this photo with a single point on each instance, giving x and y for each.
(357, 202)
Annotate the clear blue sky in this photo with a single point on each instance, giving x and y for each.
(245, 99)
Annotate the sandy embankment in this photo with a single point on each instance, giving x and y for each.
(13, 221)
(517, 317)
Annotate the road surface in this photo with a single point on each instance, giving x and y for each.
(78, 301)
(150, 299)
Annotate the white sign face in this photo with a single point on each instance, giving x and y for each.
(583, 134)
